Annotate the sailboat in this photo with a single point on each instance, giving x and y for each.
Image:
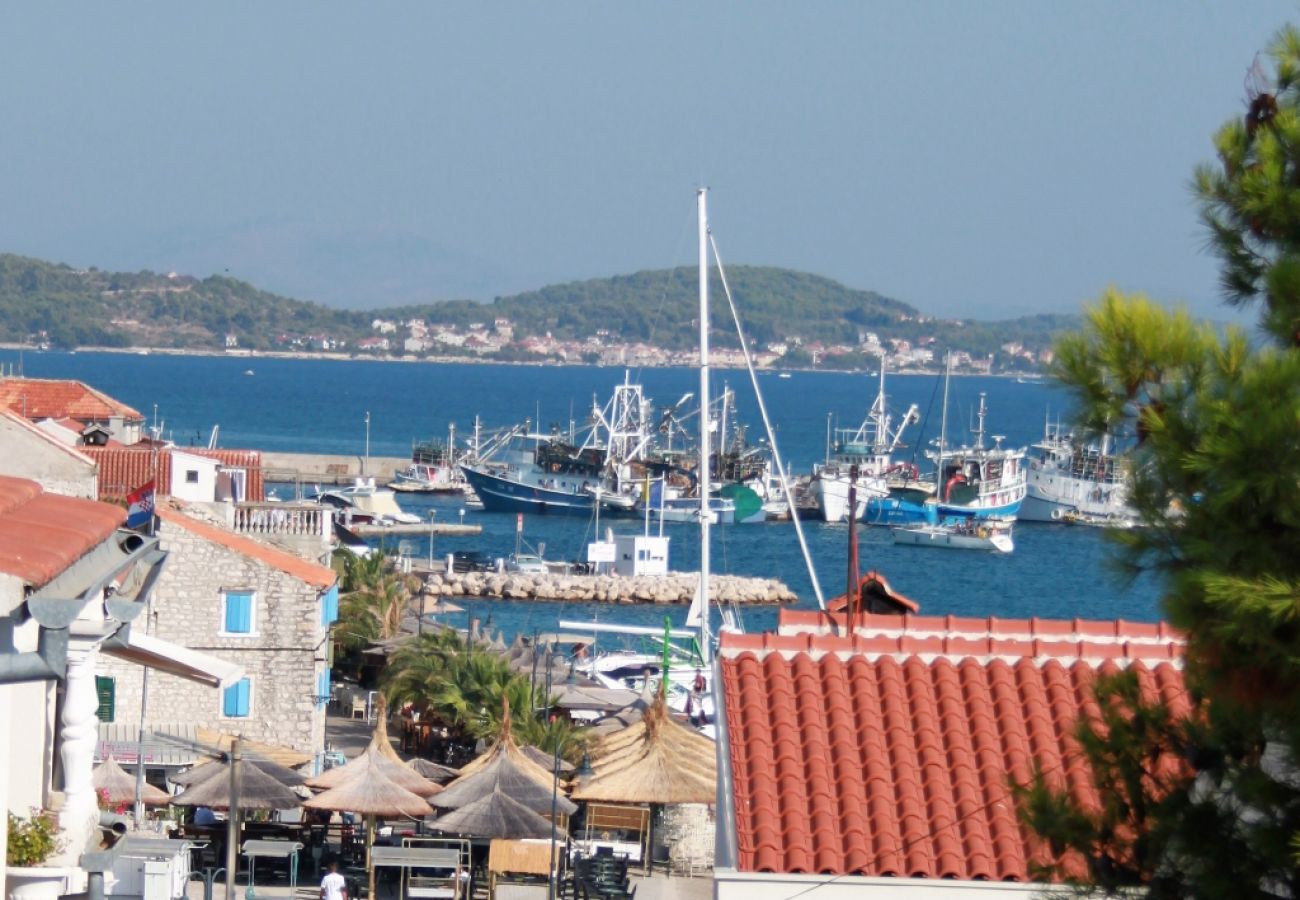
(688, 651)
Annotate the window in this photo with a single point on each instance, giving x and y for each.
(106, 691)
(191, 476)
(237, 615)
(323, 688)
(329, 606)
(236, 699)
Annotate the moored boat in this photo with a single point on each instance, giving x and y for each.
(963, 534)
(1070, 477)
(862, 457)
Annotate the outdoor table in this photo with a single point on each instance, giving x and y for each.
(273, 850)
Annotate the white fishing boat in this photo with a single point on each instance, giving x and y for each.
(965, 534)
(862, 457)
(1069, 477)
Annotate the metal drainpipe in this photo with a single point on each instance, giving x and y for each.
(48, 662)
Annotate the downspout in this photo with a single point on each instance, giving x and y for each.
(48, 662)
(724, 841)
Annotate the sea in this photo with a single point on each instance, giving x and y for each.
(351, 407)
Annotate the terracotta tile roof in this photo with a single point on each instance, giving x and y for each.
(888, 752)
(318, 576)
(123, 469)
(40, 398)
(42, 534)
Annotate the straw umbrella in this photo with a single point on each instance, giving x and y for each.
(383, 754)
(542, 758)
(494, 814)
(204, 770)
(432, 771)
(657, 760)
(371, 792)
(258, 790)
(502, 775)
(116, 786)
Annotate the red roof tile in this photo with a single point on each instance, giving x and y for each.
(888, 752)
(319, 576)
(40, 398)
(123, 469)
(42, 534)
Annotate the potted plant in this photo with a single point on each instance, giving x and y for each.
(32, 841)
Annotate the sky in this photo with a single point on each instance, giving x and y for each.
(979, 160)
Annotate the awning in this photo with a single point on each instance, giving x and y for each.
(147, 650)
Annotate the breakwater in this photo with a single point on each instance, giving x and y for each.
(614, 589)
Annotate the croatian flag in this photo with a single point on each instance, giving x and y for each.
(139, 506)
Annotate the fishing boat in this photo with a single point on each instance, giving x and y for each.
(960, 534)
(1070, 478)
(433, 469)
(552, 474)
(970, 481)
(863, 457)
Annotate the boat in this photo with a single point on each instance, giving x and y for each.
(863, 457)
(557, 476)
(688, 650)
(433, 469)
(364, 503)
(960, 534)
(784, 375)
(970, 481)
(1071, 478)
(248, 371)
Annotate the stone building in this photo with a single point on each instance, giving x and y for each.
(250, 604)
(30, 452)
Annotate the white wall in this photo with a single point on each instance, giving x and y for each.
(205, 488)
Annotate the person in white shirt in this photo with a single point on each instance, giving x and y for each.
(333, 886)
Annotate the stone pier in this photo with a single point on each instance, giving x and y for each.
(676, 588)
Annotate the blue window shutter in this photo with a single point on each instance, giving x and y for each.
(239, 612)
(234, 702)
(329, 609)
(323, 688)
(230, 701)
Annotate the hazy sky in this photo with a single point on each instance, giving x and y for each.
(978, 159)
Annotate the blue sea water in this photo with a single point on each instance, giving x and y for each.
(321, 406)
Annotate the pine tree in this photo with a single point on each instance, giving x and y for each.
(1207, 805)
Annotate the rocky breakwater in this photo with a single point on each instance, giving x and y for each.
(666, 589)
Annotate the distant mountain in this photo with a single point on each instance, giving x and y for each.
(72, 307)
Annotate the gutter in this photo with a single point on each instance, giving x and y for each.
(724, 841)
(121, 586)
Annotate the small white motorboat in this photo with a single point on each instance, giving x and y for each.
(983, 534)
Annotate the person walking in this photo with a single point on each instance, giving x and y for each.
(333, 886)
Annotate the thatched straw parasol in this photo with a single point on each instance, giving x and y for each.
(206, 769)
(503, 774)
(385, 757)
(258, 790)
(658, 760)
(116, 786)
(505, 746)
(371, 792)
(494, 815)
(544, 759)
(432, 771)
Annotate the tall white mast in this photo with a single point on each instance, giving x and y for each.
(700, 609)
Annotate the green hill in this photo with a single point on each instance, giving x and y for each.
(55, 303)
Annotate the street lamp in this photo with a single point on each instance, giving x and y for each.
(583, 773)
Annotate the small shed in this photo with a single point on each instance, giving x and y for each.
(640, 554)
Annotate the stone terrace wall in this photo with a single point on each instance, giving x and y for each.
(283, 658)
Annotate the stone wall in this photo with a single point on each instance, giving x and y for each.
(283, 657)
(29, 452)
(673, 588)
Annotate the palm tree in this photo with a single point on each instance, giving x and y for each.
(378, 598)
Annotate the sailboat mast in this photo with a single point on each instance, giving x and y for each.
(943, 423)
(701, 202)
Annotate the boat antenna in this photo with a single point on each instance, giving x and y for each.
(771, 433)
